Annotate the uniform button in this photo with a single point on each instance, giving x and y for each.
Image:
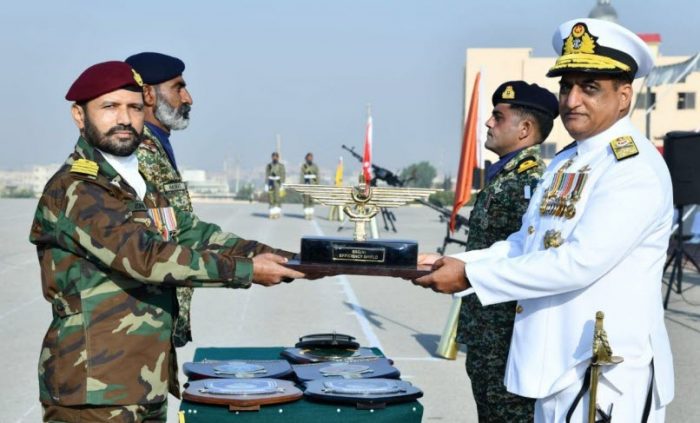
(519, 309)
(531, 229)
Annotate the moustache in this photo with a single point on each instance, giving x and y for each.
(184, 111)
(113, 130)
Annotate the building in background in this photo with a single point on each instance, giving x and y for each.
(675, 106)
(214, 187)
(26, 183)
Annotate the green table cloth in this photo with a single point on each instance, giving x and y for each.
(301, 411)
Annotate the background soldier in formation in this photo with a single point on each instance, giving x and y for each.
(309, 175)
(522, 118)
(594, 238)
(111, 249)
(274, 178)
(167, 107)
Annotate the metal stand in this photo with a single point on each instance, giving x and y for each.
(450, 240)
(388, 218)
(676, 259)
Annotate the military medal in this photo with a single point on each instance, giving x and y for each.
(164, 220)
(553, 239)
(564, 191)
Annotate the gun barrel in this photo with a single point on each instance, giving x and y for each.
(461, 220)
(352, 151)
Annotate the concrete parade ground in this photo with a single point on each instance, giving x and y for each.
(401, 319)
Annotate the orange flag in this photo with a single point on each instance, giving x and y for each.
(467, 161)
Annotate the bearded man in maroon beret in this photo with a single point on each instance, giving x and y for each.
(112, 251)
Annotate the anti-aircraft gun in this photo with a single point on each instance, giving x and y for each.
(383, 174)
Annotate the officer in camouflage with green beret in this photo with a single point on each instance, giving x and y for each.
(309, 175)
(167, 108)
(111, 251)
(274, 178)
(521, 119)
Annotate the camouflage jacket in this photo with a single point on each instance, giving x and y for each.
(309, 174)
(156, 168)
(109, 274)
(498, 211)
(274, 174)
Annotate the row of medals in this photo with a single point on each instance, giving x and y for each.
(561, 197)
(564, 191)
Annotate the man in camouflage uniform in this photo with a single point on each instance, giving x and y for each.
(309, 175)
(167, 106)
(111, 251)
(522, 118)
(274, 178)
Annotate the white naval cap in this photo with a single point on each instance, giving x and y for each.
(598, 46)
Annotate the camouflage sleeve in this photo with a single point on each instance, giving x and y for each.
(508, 206)
(195, 233)
(149, 163)
(283, 176)
(91, 223)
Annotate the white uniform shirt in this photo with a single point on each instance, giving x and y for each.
(611, 259)
(128, 168)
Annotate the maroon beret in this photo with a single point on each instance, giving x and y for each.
(103, 78)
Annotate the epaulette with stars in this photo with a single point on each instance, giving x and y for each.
(624, 147)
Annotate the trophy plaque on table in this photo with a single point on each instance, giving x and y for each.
(329, 256)
(365, 393)
(241, 394)
(237, 369)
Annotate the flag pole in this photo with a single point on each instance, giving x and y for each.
(447, 347)
(367, 167)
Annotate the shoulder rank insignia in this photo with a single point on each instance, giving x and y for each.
(624, 147)
(84, 166)
(525, 165)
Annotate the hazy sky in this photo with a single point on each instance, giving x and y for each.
(302, 69)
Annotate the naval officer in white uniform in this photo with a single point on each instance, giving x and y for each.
(594, 237)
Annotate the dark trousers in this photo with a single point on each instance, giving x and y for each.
(487, 332)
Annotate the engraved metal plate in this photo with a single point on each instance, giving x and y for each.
(354, 254)
(241, 387)
(240, 369)
(345, 370)
(365, 387)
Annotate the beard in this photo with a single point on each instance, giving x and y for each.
(108, 142)
(173, 118)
